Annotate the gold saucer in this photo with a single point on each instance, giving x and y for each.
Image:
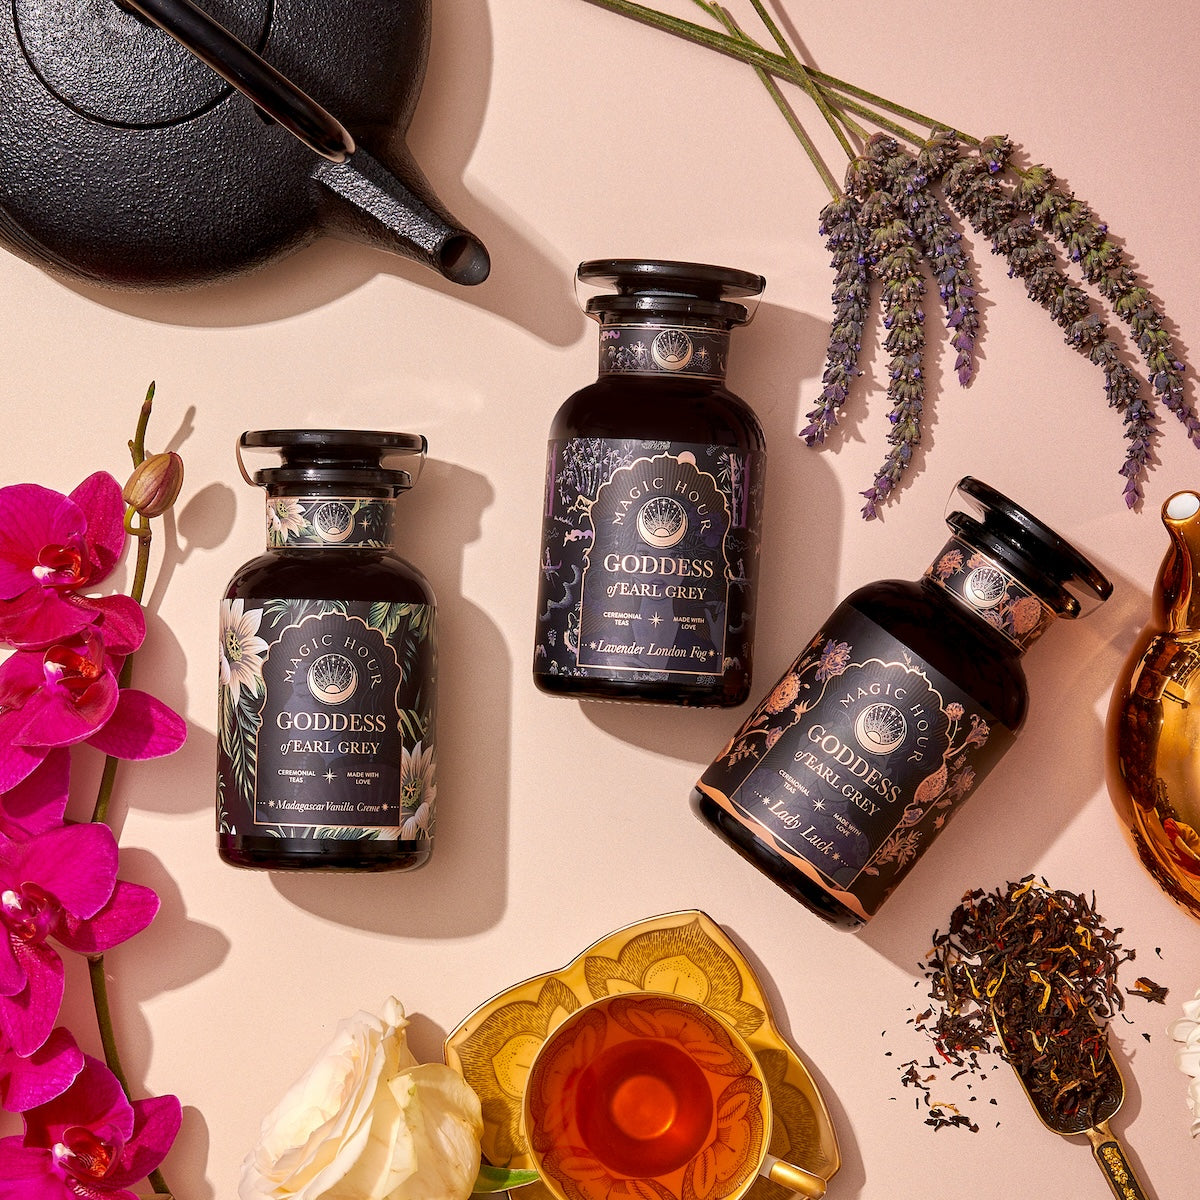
(683, 954)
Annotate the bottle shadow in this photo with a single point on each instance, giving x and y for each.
(802, 525)
(441, 515)
(527, 287)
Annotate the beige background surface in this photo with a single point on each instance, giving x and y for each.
(561, 132)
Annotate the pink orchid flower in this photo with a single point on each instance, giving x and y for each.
(51, 547)
(68, 693)
(61, 884)
(90, 1143)
(47, 1072)
(39, 801)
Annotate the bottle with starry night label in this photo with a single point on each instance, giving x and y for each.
(653, 501)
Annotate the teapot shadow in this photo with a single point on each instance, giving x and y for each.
(454, 98)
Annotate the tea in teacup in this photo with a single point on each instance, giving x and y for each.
(648, 1087)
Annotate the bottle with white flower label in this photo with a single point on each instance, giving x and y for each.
(892, 714)
(653, 500)
(326, 712)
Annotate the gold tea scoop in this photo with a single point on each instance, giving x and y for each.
(1108, 1151)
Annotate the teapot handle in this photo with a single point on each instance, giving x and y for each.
(247, 71)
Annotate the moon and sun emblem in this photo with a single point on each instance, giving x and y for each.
(662, 522)
(672, 350)
(334, 521)
(985, 587)
(880, 728)
(332, 679)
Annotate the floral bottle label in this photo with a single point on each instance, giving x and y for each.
(319, 522)
(650, 550)
(326, 720)
(852, 765)
(991, 593)
(664, 350)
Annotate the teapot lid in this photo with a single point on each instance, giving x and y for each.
(653, 285)
(347, 456)
(1058, 572)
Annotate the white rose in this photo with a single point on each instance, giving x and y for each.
(368, 1122)
(1186, 1031)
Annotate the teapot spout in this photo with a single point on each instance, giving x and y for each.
(1177, 594)
(363, 201)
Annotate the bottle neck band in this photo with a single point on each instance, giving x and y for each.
(991, 592)
(660, 348)
(330, 522)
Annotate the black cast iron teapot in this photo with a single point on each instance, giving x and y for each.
(129, 156)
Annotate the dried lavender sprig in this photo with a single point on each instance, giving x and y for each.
(851, 298)
(1071, 222)
(726, 18)
(894, 257)
(978, 197)
(1125, 395)
(836, 99)
(909, 180)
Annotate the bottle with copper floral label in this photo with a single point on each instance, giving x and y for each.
(326, 715)
(654, 483)
(893, 713)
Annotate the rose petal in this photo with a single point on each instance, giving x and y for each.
(140, 727)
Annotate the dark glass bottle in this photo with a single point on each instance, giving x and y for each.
(654, 484)
(327, 706)
(894, 712)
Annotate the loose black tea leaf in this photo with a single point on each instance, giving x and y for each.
(1148, 990)
(1043, 965)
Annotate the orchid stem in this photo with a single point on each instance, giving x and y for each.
(108, 1038)
(108, 776)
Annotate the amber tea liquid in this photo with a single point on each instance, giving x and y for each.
(643, 1108)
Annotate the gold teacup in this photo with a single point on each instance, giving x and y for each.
(642, 1094)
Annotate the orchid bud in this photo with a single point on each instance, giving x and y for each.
(154, 485)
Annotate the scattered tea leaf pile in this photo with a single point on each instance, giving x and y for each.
(1044, 965)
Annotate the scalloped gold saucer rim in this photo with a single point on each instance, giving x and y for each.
(682, 953)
